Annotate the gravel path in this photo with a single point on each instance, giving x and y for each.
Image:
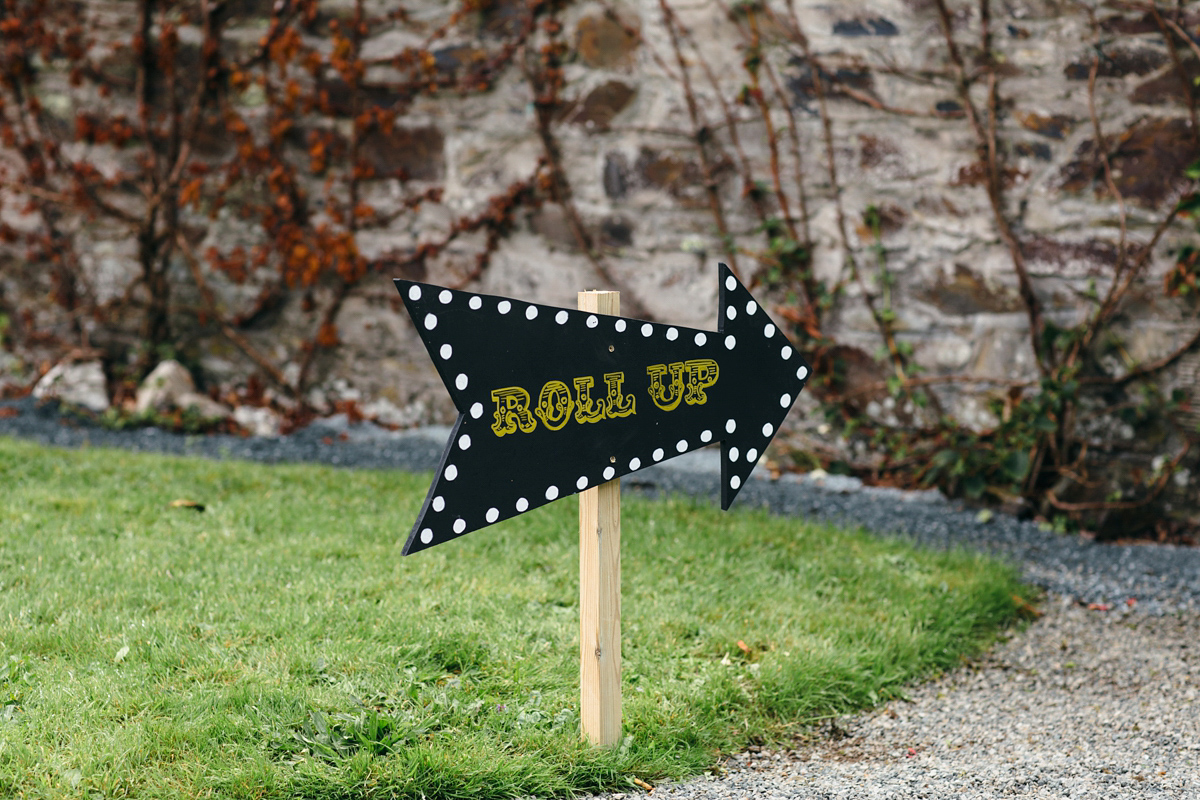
(1081, 705)
(1084, 704)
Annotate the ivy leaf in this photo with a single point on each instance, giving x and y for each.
(974, 485)
(1045, 424)
(1193, 170)
(1189, 203)
(1016, 465)
(945, 458)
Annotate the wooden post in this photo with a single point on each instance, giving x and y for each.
(600, 589)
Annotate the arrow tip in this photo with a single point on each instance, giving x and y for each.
(780, 374)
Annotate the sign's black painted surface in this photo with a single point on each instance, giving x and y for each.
(552, 401)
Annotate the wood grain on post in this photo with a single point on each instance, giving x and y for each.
(600, 589)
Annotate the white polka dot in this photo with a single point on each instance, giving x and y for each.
(647, 329)
(658, 454)
(414, 293)
(768, 429)
(451, 472)
(426, 535)
(786, 352)
(464, 442)
(735, 482)
(439, 503)
(504, 307)
(446, 351)
(475, 303)
(531, 313)
(672, 334)
(730, 342)
(461, 381)
(477, 410)
(751, 455)
(460, 525)
(492, 514)
(552, 493)
(445, 296)
(802, 373)
(635, 464)
(582, 483)
(785, 401)
(751, 307)
(701, 339)
(681, 445)
(769, 331)
(430, 321)
(706, 436)
(730, 312)
(592, 321)
(561, 318)
(522, 505)
(731, 283)
(730, 426)
(620, 326)
(734, 453)
(609, 472)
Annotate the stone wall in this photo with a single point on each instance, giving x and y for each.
(905, 157)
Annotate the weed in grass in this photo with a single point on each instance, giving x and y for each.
(277, 645)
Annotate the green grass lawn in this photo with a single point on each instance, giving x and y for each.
(277, 645)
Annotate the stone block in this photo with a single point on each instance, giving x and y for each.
(1117, 62)
(204, 405)
(163, 387)
(1168, 88)
(1053, 126)
(1147, 164)
(257, 420)
(1003, 348)
(406, 153)
(79, 384)
(598, 108)
(963, 292)
(603, 43)
(865, 26)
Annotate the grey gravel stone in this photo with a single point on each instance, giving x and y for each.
(1082, 705)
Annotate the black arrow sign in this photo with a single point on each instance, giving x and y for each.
(552, 401)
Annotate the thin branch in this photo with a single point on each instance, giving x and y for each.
(764, 109)
(879, 105)
(899, 363)
(1158, 365)
(1173, 25)
(1185, 80)
(230, 333)
(986, 142)
(701, 134)
(327, 321)
(1155, 490)
(1111, 296)
(40, 193)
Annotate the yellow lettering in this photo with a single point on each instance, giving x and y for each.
(554, 405)
(587, 409)
(664, 398)
(670, 385)
(512, 411)
(701, 374)
(617, 404)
